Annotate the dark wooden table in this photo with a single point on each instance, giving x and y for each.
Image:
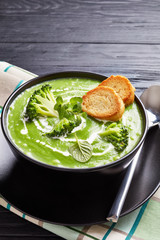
(108, 37)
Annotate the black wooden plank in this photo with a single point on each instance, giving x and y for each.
(12, 226)
(80, 21)
(124, 56)
(140, 63)
(94, 29)
(72, 7)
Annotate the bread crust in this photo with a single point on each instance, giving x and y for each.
(104, 103)
(122, 86)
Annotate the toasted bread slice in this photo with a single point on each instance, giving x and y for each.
(122, 86)
(103, 103)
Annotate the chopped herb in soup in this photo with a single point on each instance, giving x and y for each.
(51, 127)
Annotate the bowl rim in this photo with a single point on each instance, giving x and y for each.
(49, 77)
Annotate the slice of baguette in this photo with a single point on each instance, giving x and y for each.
(122, 86)
(103, 103)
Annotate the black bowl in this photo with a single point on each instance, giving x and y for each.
(68, 183)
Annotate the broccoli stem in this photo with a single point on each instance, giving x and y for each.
(114, 131)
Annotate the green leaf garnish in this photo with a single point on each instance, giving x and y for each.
(81, 150)
(76, 104)
(75, 100)
(67, 110)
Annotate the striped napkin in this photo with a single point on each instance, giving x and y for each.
(142, 224)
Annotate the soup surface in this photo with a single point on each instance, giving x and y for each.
(30, 138)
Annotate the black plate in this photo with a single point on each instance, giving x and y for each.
(21, 187)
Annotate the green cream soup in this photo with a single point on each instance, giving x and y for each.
(30, 136)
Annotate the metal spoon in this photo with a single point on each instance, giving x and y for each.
(151, 100)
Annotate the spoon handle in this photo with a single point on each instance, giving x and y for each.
(118, 203)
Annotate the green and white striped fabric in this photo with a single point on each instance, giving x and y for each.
(142, 224)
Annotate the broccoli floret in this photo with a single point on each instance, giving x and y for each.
(117, 134)
(41, 103)
(64, 127)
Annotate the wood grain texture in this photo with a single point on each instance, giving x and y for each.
(77, 21)
(140, 63)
